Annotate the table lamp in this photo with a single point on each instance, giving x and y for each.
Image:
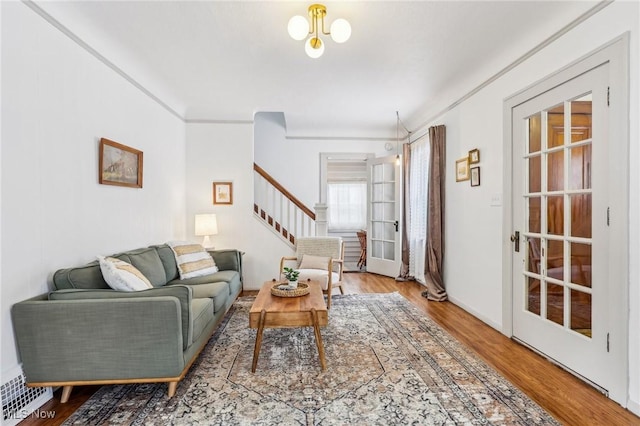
(206, 225)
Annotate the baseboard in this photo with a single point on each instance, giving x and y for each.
(476, 314)
(634, 407)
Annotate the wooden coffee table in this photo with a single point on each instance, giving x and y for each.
(269, 311)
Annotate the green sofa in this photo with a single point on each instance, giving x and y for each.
(84, 332)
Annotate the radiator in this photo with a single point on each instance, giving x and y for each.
(20, 401)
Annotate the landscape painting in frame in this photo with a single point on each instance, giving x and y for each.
(119, 164)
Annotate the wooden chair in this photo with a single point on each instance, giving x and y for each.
(320, 259)
(362, 238)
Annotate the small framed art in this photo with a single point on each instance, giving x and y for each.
(474, 156)
(222, 193)
(119, 165)
(475, 176)
(462, 169)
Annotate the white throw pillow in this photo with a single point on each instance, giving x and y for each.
(192, 259)
(122, 276)
(314, 262)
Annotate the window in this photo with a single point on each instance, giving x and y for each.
(347, 205)
(346, 191)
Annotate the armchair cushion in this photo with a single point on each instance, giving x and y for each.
(314, 262)
(318, 275)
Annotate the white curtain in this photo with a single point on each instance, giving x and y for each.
(418, 186)
(347, 205)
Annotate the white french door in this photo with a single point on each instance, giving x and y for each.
(383, 213)
(561, 199)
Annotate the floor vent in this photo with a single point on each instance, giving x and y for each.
(20, 401)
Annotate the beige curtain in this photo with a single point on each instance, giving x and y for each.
(435, 219)
(404, 267)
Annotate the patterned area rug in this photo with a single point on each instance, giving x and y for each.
(387, 364)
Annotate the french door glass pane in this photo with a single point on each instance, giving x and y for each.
(535, 133)
(533, 292)
(555, 167)
(555, 215)
(581, 312)
(581, 119)
(535, 177)
(555, 303)
(581, 215)
(581, 264)
(534, 214)
(555, 126)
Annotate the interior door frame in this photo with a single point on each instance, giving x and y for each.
(616, 54)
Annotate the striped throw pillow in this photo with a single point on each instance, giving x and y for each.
(192, 259)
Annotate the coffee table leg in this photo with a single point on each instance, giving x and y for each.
(316, 329)
(256, 349)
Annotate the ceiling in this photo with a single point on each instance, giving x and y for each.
(225, 61)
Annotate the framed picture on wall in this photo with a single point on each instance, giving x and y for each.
(475, 176)
(462, 169)
(119, 165)
(222, 193)
(474, 156)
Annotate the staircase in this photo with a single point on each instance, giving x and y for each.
(280, 210)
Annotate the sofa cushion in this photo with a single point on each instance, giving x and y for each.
(218, 292)
(148, 262)
(192, 259)
(122, 276)
(202, 314)
(168, 261)
(85, 277)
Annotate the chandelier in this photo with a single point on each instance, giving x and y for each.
(299, 28)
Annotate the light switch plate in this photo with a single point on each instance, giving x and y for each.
(496, 200)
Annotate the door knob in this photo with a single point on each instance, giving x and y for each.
(516, 239)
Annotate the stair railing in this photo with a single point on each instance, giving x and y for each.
(280, 210)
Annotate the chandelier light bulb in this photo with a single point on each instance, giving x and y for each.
(298, 27)
(314, 47)
(340, 30)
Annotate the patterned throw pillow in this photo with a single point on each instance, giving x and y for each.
(192, 259)
(122, 276)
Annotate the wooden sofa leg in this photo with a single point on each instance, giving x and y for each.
(66, 393)
(329, 296)
(172, 388)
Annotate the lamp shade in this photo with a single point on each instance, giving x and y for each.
(314, 47)
(298, 27)
(206, 224)
(340, 30)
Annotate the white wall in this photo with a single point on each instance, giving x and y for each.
(473, 258)
(296, 162)
(57, 102)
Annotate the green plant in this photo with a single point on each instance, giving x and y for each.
(290, 274)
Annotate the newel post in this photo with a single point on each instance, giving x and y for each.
(321, 219)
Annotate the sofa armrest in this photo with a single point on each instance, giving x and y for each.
(183, 293)
(228, 260)
(99, 339)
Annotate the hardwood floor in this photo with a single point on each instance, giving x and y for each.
(568, 399)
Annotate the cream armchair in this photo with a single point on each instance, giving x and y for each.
(320, 259)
